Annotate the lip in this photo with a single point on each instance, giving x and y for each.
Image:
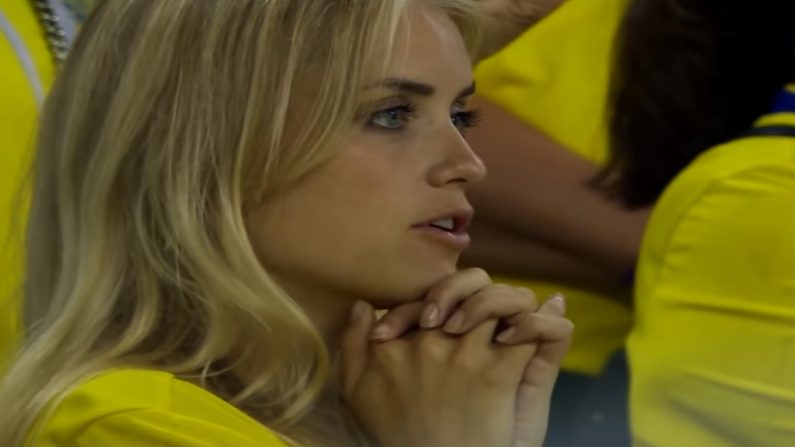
(458, 238)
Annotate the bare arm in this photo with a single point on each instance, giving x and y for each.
(504, 254)
(539, 193)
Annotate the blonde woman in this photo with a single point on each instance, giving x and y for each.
(224, 191)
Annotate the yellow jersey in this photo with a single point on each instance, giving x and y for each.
(26, 73)
(555, 77)
(146, 408)
(712, 354)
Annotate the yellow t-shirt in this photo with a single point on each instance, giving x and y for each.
(26, 72)
(146, 408)
(712, 355)
(555, 77)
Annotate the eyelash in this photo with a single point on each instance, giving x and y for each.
(463, 120)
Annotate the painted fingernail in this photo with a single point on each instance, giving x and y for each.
(381, 332)
(430, 316)
(455, 323)
(506, 335)
(559, 300)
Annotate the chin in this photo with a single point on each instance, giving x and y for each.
(414, 286)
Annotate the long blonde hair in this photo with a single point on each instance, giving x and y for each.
(168, 118)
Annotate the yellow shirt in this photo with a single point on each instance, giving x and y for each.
(145, 408)
(555, 77)
(712, 356)
(26, 72)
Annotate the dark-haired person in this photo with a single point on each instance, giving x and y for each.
(703, 125)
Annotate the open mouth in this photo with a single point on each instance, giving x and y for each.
(452, 223)
(447, 224)
(449, 230)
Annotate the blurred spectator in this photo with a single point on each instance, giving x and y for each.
(703, 125)
(542, 223)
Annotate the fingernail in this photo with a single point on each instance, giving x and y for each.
(430, 316)
(358, 309)
(380, 332)
(506, 335)
(559, 300)
(456, 322)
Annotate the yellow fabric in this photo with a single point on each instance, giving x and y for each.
(555, 77)
(18, 112)
(144, 408)
(712, 355)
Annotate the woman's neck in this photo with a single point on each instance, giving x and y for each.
(328, 310)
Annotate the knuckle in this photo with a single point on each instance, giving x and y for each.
(500, 289)
(387, 353)
(494, 377)
(477, 301)
(568, 327)
(432, 346)
(528, 294)
(436, 293)
(470, 362)
(480, 274)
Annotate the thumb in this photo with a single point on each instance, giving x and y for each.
(355, 346)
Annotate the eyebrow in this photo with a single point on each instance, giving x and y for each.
(419, 88)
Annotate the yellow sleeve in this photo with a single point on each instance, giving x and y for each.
(556, 75)
(153, 428)
(712, 355)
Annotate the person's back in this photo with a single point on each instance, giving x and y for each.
(712, 350)
(702, 125)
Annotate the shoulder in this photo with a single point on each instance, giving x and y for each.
(711, 350)
(740, 179)
(132, 407)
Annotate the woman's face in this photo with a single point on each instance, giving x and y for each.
(387, 217)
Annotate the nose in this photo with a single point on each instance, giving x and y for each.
(460, 165)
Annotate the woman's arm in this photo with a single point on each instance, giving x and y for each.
(505, 254)
(539, 193)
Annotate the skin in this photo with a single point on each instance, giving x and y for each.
(348, 231)
(356, 230)
(538, 215)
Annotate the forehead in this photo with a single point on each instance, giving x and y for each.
(429, 45)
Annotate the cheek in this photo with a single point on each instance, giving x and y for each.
(332, 217)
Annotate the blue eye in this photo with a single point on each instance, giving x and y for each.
(465, 119)
(394, 118)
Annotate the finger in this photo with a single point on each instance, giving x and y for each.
(354, 346)
(528, 326)
(397, 321)
(540, 375)
(544, 366)
(542, 371)
(445, 295)
(531, 327)
(481, 335)
(555, 305)
(493, 302)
